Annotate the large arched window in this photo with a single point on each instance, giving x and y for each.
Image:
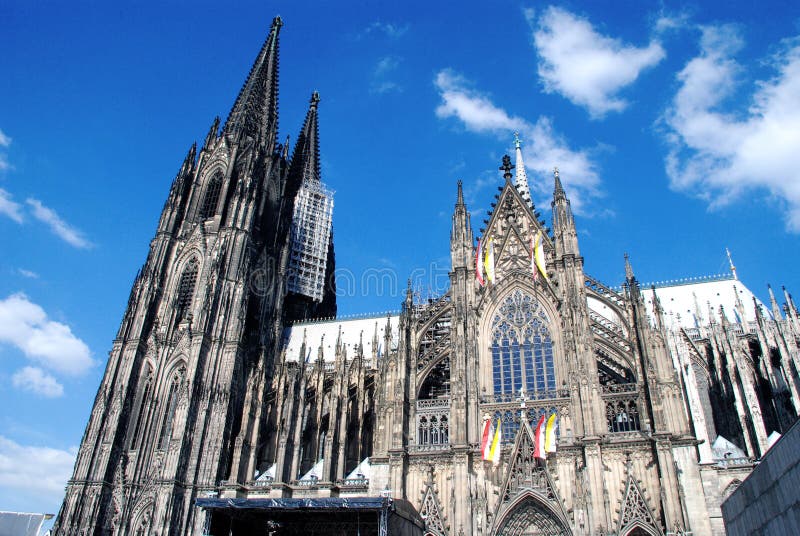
(211, 199)
(522, 350)
(170, 408)
(143, 400)
(183, 302)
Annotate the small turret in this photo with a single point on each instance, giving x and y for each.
(776, 310)
(461, 233)
(566, 236)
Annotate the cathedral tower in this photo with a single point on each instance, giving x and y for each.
(178, 409)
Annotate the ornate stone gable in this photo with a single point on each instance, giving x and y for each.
(525, 472)
(430, 509)
(635, 512)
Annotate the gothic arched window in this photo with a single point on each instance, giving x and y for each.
(183, 302)
(522, 350)
(170, 408)
(137, 430)
(211, 199)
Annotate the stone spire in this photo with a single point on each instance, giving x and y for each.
(461, 233)
(255, 112)
(776, 310)
(563, 221)
(730, 262)
(521, 179)
(305, 158)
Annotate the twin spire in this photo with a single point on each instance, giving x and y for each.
(255, 112)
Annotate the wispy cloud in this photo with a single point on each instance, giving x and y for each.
(38, 474)
(28, 273)
(382, 81)
(719, 150)
(586, 67)
(389, 29)
(544, 148)
(37, 381)
(5, 141)
(26, 326)
(58, 226)
(9, 207)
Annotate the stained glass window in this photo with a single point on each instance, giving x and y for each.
(521, 347)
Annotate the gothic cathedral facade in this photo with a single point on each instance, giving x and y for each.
(221, 383)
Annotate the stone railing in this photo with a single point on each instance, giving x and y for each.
(434, 447)
(733, 462)
(359, 483)
(618, 388)
(505, 398)
(264, 483)
(433, 404)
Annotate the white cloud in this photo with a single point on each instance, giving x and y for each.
(543, 147)
(389, 29)
(8, 206)
(38, 474)
(381, 75)
(62, 229)
(28, 273)
(5, 141)
(37, 381)
(719, 150)
(586, 67)
(25, 325)
(475, 110)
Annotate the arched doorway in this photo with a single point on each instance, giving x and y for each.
(530, 515)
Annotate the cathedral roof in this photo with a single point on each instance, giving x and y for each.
(325, 333)
(687, 303)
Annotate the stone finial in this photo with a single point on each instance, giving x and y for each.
(507, 167)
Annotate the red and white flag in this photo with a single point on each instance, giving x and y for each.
(479, 264)
(486, 439)
(538, 440)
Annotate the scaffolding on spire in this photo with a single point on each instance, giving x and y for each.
(311, 233)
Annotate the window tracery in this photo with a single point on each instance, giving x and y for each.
(521, 347)
(622, 416)
(170, 408)
(186, 287)
(211, 198)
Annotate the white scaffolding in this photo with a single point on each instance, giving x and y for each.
(311, 231)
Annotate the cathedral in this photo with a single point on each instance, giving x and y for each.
(235, 402)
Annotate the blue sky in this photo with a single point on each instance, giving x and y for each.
(676, 128)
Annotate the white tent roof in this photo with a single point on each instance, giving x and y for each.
(686, 303)
(326, 333)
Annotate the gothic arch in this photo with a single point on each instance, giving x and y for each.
(212, 190)
(528, 343)
(530, 514)
(142, 518)
(635, 514)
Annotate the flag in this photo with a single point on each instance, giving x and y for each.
(550, 435)
(486, 439)
(488, 261)
(534, 271)
(538, 440)
(538, 253)
(479, 264)
(494, 453)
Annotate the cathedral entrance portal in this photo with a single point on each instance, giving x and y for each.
(528, 515)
